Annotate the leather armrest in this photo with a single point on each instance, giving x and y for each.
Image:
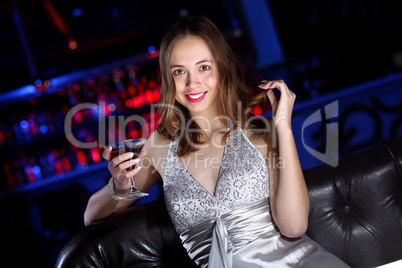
(143, 236)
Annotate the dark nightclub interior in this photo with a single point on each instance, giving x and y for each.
(67, 67)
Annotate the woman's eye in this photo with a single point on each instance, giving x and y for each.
(204, 68)
(178, 71)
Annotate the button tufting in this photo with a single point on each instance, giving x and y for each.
(346, 209)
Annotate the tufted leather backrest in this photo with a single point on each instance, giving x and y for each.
(356, 207)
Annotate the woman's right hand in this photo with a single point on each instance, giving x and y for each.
(118, 169)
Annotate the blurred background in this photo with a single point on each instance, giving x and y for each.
(89, 64)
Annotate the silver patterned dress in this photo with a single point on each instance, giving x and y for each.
(234, 227)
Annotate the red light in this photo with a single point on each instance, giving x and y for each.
(156, 94)
(30, 174)
(89, 138)
(149, 96)
(154, 54)
(59, 167)
(40, 87)
(66, 164)
(81, 157)
(65, 109)
(140, 88)
(123, 95)
(55, 154)
(129, 103)
(143, 98)
(76, 87)
(107, 110)
(2, 140)
(72, 44)
(131, 90)
(136, 102)
(144, 80)
(78, 117)
(134, 134)
(152, 84)
(256, 110)
(91, 83)
(62, 92)
(101, 97)
(106, 79)
(95, 154)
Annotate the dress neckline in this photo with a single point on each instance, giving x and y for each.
(219, 172)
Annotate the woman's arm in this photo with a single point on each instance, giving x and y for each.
(101, 204)
(289, 199)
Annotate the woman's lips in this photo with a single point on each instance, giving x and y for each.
(197, 97)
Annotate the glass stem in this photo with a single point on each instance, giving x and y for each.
(133, 186)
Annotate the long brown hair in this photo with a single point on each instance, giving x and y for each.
(234, 84)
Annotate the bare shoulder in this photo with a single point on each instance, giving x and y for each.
(157, 145)
(157, 148)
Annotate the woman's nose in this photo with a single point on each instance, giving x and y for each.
(192, 80)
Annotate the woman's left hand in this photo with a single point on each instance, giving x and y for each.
(281, 108)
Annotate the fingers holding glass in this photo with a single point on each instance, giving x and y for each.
(124, 156)
(106, 153)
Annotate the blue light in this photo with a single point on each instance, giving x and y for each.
(37, 172)
(38, 83)
(48, 234)
(151, 49)
(43, 129)
(50, 157)
(77, 12)
(24, 124)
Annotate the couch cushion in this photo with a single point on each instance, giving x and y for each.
(356, 207)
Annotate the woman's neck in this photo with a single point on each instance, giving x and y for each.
(210, 124)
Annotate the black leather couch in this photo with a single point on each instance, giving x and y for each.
(356, 213)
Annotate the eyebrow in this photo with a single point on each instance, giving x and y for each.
(197, 63)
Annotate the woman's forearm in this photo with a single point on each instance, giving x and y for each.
(292, 203)
(101, 205)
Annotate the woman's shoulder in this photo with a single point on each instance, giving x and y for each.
(157, 144)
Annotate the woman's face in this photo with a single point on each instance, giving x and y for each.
(195, 76)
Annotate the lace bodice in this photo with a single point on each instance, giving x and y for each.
(242, 181)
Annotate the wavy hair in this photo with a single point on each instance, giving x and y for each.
(235, 85)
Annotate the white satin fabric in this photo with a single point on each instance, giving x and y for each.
(247, 237)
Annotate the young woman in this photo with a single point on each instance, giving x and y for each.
(234, 187)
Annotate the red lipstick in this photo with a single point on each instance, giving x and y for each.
(197, 97)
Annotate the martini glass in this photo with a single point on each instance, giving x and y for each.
(135, 146)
